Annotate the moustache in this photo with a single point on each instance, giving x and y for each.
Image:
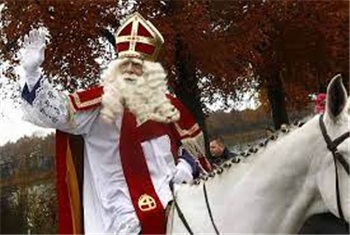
(131, 79)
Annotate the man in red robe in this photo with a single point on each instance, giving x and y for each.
(135, 138)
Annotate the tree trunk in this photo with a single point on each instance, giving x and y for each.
(186, 88)
(277, 101)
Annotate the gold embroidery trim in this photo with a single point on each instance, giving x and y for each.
(88, 103)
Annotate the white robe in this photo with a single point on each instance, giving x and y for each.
(106, 199)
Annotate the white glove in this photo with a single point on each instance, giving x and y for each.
(33, 55)
(183, 172)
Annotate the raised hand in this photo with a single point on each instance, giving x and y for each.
(33, 54)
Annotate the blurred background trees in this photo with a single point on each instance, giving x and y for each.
(284, 50)
(28, 186)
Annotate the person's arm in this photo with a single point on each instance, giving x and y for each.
(191, 135)
(187, 168)
(42, 104)
(45, 106)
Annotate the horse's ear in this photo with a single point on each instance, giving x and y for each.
(336, 97)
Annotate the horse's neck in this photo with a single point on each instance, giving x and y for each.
(278, 183)
(276, 187)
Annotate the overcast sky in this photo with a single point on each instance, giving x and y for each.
(12, 127)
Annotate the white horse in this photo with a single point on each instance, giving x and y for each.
(287, 182)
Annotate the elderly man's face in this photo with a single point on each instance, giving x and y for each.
(132, 67)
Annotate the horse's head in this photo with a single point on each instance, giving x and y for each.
(333, 179)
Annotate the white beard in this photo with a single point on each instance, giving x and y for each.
(144, 95)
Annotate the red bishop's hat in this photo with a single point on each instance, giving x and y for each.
(138, 38)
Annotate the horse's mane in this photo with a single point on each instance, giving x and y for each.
(248, 155)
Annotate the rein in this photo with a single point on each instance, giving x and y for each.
(181, 215)
(209, 210)
(332, 146)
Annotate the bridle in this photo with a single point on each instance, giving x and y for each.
(332, 146)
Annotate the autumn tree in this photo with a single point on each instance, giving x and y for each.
(282, 49)
(294, 47)
(182, 35)
(76, 30)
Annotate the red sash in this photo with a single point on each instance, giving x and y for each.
(146, 202)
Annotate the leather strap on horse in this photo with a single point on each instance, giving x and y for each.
(332, 146)
(340, 210)
(209, 210)
(181, 215)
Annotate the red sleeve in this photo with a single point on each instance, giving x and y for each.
(186, 119)
(187, 125)
(189, 131)
(87, 99)
(205, 163)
